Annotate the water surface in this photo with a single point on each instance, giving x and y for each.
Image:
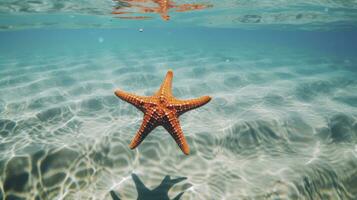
(282, 123)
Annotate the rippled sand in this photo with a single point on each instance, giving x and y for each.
(281, 125)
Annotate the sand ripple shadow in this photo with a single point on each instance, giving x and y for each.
(341, 128)
(270, 136)
(323, 182)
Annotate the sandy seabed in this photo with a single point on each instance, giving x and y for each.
(281, 125)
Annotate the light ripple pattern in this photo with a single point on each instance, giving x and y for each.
(281, 124)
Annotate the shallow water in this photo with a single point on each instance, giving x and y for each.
(282, 123)
(282, 14)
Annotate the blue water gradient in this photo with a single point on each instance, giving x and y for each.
(282, 123)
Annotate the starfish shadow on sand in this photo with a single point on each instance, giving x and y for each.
(160, 192)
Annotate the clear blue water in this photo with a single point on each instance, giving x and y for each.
(282, 123)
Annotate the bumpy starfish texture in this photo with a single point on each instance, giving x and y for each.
(162, 109)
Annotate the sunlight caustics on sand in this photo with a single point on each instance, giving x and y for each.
(281, 124)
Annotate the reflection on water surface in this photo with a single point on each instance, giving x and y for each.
(161, 7)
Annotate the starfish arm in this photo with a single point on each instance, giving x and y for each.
(135, 100)
(172, 126)
(166, 86)
(149, 123)
(183, 106)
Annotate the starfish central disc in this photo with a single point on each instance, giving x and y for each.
(162, 109)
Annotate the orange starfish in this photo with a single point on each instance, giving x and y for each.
(162, 109)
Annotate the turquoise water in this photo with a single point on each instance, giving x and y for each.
(282, 122)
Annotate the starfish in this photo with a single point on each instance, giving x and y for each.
(162, 109)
